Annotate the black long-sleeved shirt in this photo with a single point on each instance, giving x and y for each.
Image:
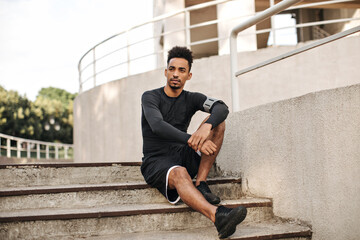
(166, 119)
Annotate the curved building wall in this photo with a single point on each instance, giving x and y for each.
(107, 118)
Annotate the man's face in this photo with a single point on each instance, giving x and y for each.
(177, 73)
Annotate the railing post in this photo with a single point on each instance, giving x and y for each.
(187, 29)
(128, 52)
(80, 80)
(233, 43)
(234, 66)
(38, 151)
(8, 148)
(272, 22)
(28, 145)
(56, 152)
(18, 149)
(66, 152)
(94, 67)
(47, 151)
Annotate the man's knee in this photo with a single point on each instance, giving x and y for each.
(177, 176)
(220, 127)
(219, 130)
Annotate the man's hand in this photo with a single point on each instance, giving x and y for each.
(208, 148)
(197, 140)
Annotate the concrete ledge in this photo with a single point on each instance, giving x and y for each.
(13, 160)
(66, 164)
(256, 231)
(68, 173)
(117, 211)
(304, 154)
(94, 187)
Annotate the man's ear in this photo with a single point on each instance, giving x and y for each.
(165, 72)
(190, 76)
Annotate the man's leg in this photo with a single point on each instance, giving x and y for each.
(180, 180)
(225, 219)
(216, 136)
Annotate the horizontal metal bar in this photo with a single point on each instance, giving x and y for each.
(233, 43)
(219, 39)
(159, 18)
(33, 141)
(84, 68)
(318, 4)
(203, 24)
(110, 53)
(302, 25)
(216, 39)
(208, 23)
(121, 63)
(300, 50)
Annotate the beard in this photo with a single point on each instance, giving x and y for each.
(174, 86)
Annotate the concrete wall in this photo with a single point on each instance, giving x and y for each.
(304, 154)
(247, 39)
(107, 118)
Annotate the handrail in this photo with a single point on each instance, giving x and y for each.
(285, 4)
(26, 145)
(95, 61)
(299, 50)
(156, 19)
(233, 42)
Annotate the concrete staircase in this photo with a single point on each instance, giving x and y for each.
(112, 201)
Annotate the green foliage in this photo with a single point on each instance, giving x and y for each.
(49, 118)
(62, 96)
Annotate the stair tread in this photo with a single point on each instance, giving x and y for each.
(15, 191)
(65, 164)
(115, 210)
(264, 230)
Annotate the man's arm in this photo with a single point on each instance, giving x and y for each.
(219, 112)
(150, 105)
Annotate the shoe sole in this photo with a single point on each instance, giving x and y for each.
(236, 216)
(214, 203)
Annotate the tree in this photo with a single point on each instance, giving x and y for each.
(57, 105)
(49, 118)
(18, 116)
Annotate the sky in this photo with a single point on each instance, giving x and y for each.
(41, 41)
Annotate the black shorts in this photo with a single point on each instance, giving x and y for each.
(156, 167)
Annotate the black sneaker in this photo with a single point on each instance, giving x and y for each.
(226, 220)
(206, 192)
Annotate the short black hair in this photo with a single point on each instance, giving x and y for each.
(180, 52)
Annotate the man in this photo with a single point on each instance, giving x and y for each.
(172, 157)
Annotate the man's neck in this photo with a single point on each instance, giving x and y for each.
(170, 92)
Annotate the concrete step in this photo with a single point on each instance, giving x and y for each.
(251, 231)
(88, 195)
(52, 174)
(45, 174)
(113, 219)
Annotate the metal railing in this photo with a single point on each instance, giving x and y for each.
(117, 60)
(285, 4)
(11, 146)
(128, 44)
